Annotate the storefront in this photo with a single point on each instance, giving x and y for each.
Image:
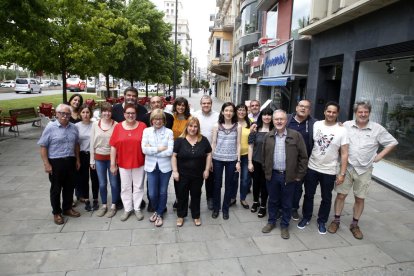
(284, 77)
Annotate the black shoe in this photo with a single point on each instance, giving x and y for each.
(143, 204)
(245, 205)
(225, 216)
(215, 214)
(210, 204)
(262, 212)
(254, 207)
(232, 202)
(88, 206)
(175, 206)
(119, 205)
(95, 205)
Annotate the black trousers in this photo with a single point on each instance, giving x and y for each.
(62, 181)
(188, 185)
(85, 172)
(209, 186)
(259, 184)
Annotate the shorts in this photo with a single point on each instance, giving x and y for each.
(359, 183)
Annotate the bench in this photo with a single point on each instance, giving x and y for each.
(26, 115)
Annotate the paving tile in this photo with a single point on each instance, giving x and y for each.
(14, 243)
(200, 268)
(21, 263)
(86, 223)
(182, 252)
(364, 256)
(244, 215)
(365, 271)
(244, 230)
(314, 240)
(99, 272)
(66, 260)
(405, 269)
(319, 261)
(155, 235)
(228, 248)
(106, 238)
(275, 244)
(128, 256)
(131, 223)
(401, 251)
(54, 241)
(272, 264)
(190, 233)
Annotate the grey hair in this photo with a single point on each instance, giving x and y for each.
(62, 106)
(279, 111)
(206, 97)
(366, 104)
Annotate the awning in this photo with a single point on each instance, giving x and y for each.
(274, 81)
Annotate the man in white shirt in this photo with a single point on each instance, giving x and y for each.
(364, 138)
(330, 139)
(207, 117)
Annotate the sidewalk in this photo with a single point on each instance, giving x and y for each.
(31, 244)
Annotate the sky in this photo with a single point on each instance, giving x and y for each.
(198, 14)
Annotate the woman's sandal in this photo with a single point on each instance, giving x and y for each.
(197, 222)
(180, 222)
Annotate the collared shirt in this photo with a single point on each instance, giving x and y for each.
(279, 155)
(253, 118)
(302, 128)
(157, 138)
(207, 122)
(364, 144)
(60, 141)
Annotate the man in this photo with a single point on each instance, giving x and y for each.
(329, 139)
(284, 163)
(254, 110)
(59, 150)
(207, 117)
(364, 138)
(302, 122)
(156, 103)
(131, 96)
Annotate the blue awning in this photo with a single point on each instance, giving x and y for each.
(274, 81)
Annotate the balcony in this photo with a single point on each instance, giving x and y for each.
(225, 24)
(248, 41)
(221, 65)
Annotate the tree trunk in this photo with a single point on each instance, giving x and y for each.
(107, 85)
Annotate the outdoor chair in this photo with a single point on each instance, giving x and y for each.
(11, 123)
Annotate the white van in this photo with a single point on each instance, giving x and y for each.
(27, 85)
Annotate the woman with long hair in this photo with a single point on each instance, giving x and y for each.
(226, 156)
(127, 155)
(264, 125)
(244, 122)
(157, 145)
(85, 171)
(75, 102)
(100, 159)
(191, 162)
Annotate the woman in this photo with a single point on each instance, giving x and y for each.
(127, 155)
(101, 160)
(226, 155)
(244, 122)
(84, 129)
(264, 125)
(157, 145)
(191, 162)
(75, 101)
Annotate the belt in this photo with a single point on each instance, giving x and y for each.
(84, 152)
(64, 158)
(279, 171)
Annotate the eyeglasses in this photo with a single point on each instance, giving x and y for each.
(64, 114)
(157, 119)
(130, 113)
(304, 106)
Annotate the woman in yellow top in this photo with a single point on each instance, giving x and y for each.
(181, 113)
(244, 122)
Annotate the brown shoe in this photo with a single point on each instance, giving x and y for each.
(58, 219)
(333, 227)
(180, 222)
(284, 233)
(71, 213)
(197, 222)
(356, 232)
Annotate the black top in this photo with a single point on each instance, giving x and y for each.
(74, 121)
(118, 113)
(169, 120)
(191, 160)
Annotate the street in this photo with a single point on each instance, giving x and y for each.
(6, 94)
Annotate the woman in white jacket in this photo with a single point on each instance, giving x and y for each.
(157, 145)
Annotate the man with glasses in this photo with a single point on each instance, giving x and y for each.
(59, 150)
(302, 122)
(254, 110)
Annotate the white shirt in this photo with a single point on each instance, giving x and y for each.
(207, 122)
(327, 143)
(157, 138)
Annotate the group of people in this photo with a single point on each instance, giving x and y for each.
(278, 153)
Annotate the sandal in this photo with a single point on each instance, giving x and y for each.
(197, 222)
(180, 222)
(158, 222)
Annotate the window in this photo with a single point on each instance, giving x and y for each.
(271, 23)
(218, 47)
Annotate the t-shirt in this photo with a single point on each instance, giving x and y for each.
(179, 126)
(244, 146)
(84, 135)
(327, 143)
(191, 160)
(128, 146)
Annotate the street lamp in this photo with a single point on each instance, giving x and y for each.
(175, 51)
(189, 73)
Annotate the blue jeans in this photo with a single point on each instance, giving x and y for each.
(158, 189)
(280, 196)
(244, 179)
(327, 182)
(102, 169)
(229, 167)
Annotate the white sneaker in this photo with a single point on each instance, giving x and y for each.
(139, 215)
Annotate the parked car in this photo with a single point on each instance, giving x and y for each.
(75, 84)
(8, 83)
(27, 85)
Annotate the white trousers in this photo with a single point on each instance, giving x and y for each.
(132, 187)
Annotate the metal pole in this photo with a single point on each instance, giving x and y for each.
(189, 73)
(175, 51)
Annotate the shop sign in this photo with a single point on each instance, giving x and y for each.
(276, 61)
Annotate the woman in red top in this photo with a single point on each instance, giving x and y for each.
(126, 153)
